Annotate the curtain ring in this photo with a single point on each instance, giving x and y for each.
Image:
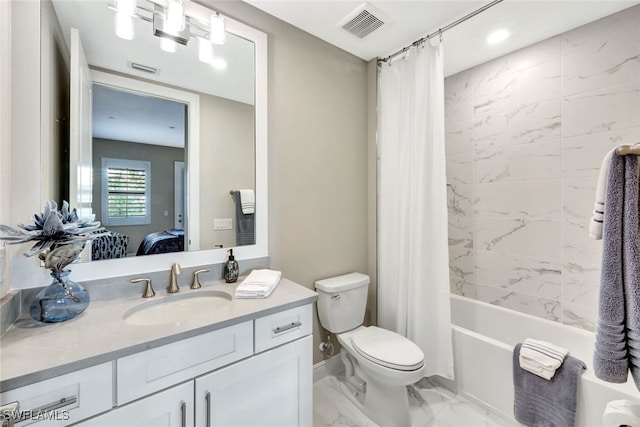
(440, 34)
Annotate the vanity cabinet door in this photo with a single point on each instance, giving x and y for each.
(273, 388)
(169, 408)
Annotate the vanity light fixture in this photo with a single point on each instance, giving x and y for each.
(205, 50)
(125, 9)
(217, 34)
(174, 17)
(173, 25)
(124, 26)
(498, 36)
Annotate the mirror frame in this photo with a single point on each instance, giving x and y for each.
(144, 264)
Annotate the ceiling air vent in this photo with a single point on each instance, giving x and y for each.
(363, 21)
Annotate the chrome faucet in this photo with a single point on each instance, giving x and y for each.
(173, 280)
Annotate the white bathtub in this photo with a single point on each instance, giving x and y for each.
(484, 336)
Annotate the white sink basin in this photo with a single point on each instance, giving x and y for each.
(177, 308)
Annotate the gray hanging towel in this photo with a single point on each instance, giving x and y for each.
(631, 263)
(546, 403)
(610, 358)
(245, 224)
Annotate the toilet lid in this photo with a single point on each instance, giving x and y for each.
(388, 349)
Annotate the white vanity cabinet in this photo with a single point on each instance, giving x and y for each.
(257, 373)
(271, 389)
(65, 399)
(146, 372)
(169, 408)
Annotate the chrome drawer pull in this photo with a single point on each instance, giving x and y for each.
(281, 329)
(183, 413)
(207, 398)
(65, 401)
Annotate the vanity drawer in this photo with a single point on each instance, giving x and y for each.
(152, 370)
(280, 328)
(66, 399)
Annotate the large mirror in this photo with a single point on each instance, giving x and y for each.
(167, 151)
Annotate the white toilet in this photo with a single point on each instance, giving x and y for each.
(378, 362)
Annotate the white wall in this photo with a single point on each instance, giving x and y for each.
(526, 134)
(5, 132)
(25, 191)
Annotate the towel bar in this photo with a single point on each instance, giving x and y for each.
(624, 150)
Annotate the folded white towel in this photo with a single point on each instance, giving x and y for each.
(541, 358)
(259, 284)
(545, 373)
(247, 201)
(597, 218)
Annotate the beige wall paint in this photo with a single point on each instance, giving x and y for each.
(372, 188)
(318, 158)
(227, 162)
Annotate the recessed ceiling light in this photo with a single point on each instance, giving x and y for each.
(498, 36)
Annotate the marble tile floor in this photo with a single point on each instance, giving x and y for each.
(431, 406)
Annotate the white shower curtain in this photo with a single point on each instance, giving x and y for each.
(413, 257)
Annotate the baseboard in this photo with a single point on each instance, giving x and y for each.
(445, 383)
(331, 366)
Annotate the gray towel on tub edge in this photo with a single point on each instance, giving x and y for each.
(546, 403)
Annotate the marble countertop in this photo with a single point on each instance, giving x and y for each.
(33, 351)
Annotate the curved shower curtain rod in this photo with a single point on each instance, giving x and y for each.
(439, 32)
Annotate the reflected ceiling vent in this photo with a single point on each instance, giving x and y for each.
(364, 20)
(144, 68)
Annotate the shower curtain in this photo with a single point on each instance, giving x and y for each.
(413, 257)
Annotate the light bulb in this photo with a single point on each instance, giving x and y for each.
(175, 20)
(205, 51)
(219, 63)
(217, 34)
(124, 26)
(168, 45)
(126, 6)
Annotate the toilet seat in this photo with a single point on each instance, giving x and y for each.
(387, 348)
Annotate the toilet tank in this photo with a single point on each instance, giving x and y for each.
(342, 301)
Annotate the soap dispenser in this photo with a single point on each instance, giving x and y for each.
(231, 269)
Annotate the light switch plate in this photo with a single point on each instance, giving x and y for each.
(223, 224)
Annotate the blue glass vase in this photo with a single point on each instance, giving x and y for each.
(58, 302)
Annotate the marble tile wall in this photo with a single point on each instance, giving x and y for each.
(526, 134)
